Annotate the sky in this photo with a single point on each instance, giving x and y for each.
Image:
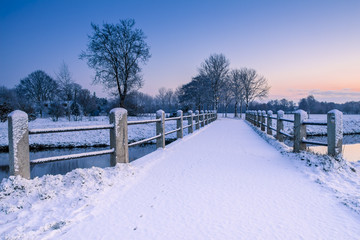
(300, 47)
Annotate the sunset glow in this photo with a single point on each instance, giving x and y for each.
(303, 47)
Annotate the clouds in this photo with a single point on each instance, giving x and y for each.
(338, 96)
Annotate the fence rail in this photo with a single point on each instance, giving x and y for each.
(70, 129)
(19, 160)
(334, 125)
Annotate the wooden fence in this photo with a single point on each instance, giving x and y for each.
(19, 160)
(334, 125)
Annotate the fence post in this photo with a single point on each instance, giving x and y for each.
(269, 122)
(335, 132)
(197, 117)
(263, 117)
(299, 130)
(279, 125)
(18, 134)
(254, 117)
(179, 124)
(190, 122)
(160, 129)
(259, 118)
(119, 136)
(206, 117)
(202, 118)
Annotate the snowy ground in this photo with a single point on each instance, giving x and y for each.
(222, 182)
(136, 132)
(351, 124)
(84, 138)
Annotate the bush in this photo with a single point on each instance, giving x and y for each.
(56, 110)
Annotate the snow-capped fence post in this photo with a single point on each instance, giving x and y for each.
(160, 129)
(190, 122)
(119, 136)
(259, 118)
(179, 124)
(335, 132)
(202, 118)
(299, 130)
(197, 117)
(263, 117)
(18, 134)
(206, 117)
(251, 117)
(269, 122)
(256, 118)
(279, 126)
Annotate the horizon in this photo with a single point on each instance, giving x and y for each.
(301, 48)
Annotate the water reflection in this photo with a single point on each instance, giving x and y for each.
(351, 152)
(62, 167)
(351, 146)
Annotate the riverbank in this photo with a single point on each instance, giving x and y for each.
(95, 138)
(222, 182)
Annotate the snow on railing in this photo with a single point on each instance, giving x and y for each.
(334, 126)
(19, 136)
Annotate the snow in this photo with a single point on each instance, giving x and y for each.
(222, 182)
(136, 132)
(84, 138)
(351, 124)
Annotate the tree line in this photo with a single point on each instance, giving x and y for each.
(308, 104)
(39, 94)
(216, 85)
(115, 52)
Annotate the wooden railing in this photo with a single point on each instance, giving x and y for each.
(334, 125)
(19, 160)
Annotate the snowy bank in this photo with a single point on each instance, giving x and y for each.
(92, 138)
(336, 174)
(351, 124)
(222, 182)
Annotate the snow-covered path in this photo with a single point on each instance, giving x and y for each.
(223, 182)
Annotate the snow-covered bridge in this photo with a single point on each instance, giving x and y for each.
(222, 182)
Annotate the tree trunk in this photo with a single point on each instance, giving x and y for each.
(235, 112)
(241, 104)
(122, 101)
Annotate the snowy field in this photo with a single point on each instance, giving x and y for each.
(351, 124)
(226, 181)
(85, 138)
(137, 132)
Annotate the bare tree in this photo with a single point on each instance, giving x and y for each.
(65, 82)
(165, 99)
(115, 53)
(38, 87)
(237, 89)
(226, 94)
(169, 96)
(160, 97)
(254, 86)
(195, 94)
(215, 69)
